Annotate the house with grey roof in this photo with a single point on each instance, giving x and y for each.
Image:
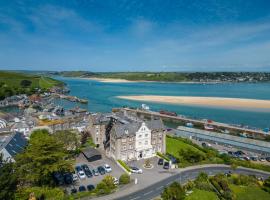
(11, 145)
(127, 137)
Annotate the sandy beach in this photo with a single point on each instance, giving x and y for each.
(204, 101)
(110, 80)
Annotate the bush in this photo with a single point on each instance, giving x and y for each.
(123, 164)
(191, 155)
(106, 186)
(124, 179)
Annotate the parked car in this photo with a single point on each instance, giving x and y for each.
(160, 161)
(87, 171)
(73, 190)
(262, 159)
(95, 172)
(268, 159)
(166, 165)
(90, 187)
(254, 158)
(58, 178)
(78, 169)
(68, 178)
(75, 177)
(135, 170)
(115, 181)
(101, 170)
(82, 188)
(107, 168)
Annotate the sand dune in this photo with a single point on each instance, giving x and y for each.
(204, 101)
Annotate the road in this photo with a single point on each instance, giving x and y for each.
(154, 190)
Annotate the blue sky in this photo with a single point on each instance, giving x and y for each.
(133, 35)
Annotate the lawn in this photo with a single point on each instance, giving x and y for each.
(174, 146)
(202, 195)
(249, 193)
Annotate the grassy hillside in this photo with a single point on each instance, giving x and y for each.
(12, 83)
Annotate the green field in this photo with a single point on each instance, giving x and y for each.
(202, 195)
(249, 193)
(174, 146)
(13, 79)
(12, 83)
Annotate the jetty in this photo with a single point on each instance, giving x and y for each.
(70, 98)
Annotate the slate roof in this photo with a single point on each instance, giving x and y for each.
(90, 152)
(14, 144)
(131, 128)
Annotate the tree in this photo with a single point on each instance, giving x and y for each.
(8, 179)
(43, 156)
(84, 137)
(124, 179)
(174, 192)
(25, 83)
(40, 193)
(69, 139)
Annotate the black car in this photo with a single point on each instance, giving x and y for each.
(68, 178)
(166, 165)
(73, 191)
(87, 171)
(101, 170)
(78, 169)
(58, 178)
(90, 187)
(82, 188)
(268, 159)
(160, 161)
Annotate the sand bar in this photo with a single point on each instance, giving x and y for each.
(111, 80)
(204, 101)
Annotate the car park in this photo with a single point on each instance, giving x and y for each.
(166, 165)
(82, 188)
(160, 161)
(90, 187)
(87, 171)
(135, 170)
(107, 168)
(101, 170)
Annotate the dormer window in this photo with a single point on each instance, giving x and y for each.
(126, 131)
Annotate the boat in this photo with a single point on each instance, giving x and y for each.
(165, 112)
(208, 127)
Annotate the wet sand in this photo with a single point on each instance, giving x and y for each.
(239, 103)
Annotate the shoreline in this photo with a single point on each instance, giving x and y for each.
(220, 102)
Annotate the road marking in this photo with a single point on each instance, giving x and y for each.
(159, 188)
(147, 193)
(135, 198)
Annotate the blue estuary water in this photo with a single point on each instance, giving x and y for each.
(102, 98)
